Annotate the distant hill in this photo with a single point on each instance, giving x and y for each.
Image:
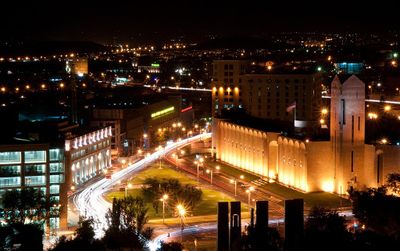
(49, 48)
(240, 42)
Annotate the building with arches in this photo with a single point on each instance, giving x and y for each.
(333, 165)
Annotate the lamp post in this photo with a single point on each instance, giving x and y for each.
(200, 161)
(176, 159)
(197, 164)
(126, 189)
(234, 181)
(181, 213)
(160, 149)
(248, 191)
(211, 175)
(163, 199)
(145, 140)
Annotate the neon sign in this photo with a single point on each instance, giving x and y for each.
(162, 112)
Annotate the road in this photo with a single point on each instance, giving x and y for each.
(221, 181)
(90, 201)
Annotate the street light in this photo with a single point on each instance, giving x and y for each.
(160, 148)
(163, 199)
(176, 159)
(248, 191)
(234, 181)
(126, 189)
(211, 174)
(201, 160)
(181, 213)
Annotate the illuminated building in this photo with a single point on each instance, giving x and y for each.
(334, 166)
(88, 155)
(129, 122)
(227, 74)
(37, 166)
(266, 95)
(55, 167)
(78, 66)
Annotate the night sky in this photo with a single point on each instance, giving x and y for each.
(132, 21)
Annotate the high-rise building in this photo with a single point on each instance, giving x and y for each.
(266, 95)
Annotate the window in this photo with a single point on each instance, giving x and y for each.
(35, 169)
(56, 178)
(35, 180)
(10, 157)
(352, 161)
(352, 128)
(55, 154)
(54, 189)
(343, 111)
(10, 170)
(10, 182)
(35, 156)
(56, 167)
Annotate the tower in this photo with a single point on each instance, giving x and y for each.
(347, 131)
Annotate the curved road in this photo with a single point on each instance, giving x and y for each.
(90, 201)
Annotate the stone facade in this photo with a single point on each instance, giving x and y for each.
(334, 166)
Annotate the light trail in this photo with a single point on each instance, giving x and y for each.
(90, 201)
(374, 101)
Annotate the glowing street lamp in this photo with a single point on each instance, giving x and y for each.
(324, 111)
(129, 186)
(163, 199)
(181, 213)
(211, 175)
(248, 191)
(234, 181)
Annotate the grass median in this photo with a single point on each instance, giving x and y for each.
(207, 206)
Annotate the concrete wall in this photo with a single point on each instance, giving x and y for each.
(320, 166)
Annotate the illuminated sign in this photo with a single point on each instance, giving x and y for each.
(162, 112)
(187, 109)
(155, 65)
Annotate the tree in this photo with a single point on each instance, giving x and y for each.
(393, 183)
(126, 222)
(325, 229)
(251, 240)
(378, 211)
(171, 246)
(25, 204)
(84, 239)
(27, 237)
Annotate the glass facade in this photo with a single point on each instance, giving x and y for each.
(56, 155)
(10, 170)
(35, 169)
(35, 180)
(35, 156)
(10, 157)
(56, 178)
(56, 167)
(10, 182)
(54, 189)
